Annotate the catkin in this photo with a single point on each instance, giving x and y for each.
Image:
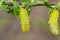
(24, 18)
(53, 22)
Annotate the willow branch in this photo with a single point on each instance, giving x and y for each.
(40, 3)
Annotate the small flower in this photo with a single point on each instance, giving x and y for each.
(53, 22)
(24, 18)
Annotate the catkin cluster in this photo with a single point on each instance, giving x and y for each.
(24, 18)
(53, 22)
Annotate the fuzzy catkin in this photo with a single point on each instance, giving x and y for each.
(24, 18)
(53, 22)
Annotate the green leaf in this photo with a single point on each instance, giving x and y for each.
(58, 5)
(10, 10)
(24, 0)
(50, 11)
(37, 3)
(14, 10)
(48, 5)
(14, 0)
(1, 2)
(29, 2)
(16, 7)
(24, 3)
(34, 1)
(45, 0)
(7, 1)
(29, 10)
(3, 7)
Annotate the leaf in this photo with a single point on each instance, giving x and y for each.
(29, 10)
(46, 0)
(37, 3)
(24, 3)
(14, 0)
(51, 10)
(48, 5)
(58, 5)
(29, 2)
(3, 7)
(7, 1)
(10, 10)
(1, 2)
(24, 0)
(16, 8)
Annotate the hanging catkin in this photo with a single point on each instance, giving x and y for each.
(24, 18)
(53, 22)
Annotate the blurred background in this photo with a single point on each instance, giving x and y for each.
(11, 30)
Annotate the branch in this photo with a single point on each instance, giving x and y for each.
(40, 3)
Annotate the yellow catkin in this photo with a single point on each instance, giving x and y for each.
(53, 22)
(24, 18)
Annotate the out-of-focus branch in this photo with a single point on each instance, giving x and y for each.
(34, 4)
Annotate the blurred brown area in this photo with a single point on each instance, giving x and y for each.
(38, 23)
